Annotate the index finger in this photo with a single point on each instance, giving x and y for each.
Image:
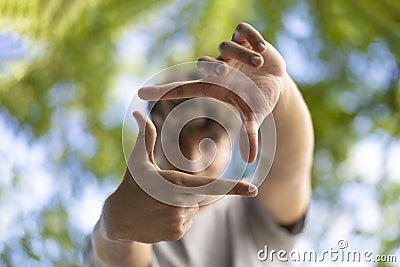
(203, 185)
(180, 90)
(222, 186)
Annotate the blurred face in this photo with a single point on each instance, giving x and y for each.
(201, 154)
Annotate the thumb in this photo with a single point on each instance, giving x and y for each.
(248, 141)
(146, 138)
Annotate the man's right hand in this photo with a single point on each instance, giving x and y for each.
(131, 214)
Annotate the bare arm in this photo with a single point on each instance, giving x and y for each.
(286, 191)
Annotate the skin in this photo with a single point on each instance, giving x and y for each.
(131, 220)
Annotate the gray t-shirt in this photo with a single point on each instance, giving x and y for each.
(228, 233)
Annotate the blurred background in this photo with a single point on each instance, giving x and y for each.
(68, 70)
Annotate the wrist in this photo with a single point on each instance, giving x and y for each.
(295, 137)
(290, 104)
(108, 252)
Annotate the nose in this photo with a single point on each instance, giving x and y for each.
(194, 163)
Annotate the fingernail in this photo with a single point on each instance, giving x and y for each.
(261, 46)
(255, 60)
(252, 189)
(148, 93)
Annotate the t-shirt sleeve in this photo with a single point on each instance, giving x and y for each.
(266, 231)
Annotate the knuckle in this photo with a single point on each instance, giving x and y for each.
(177, 222)
(223, 45)
(175, 212)
(175, 236)
(177, 233)
(204, 58)
(282, 64)
(237, 190)
(241, 26)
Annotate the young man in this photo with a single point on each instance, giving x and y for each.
(136, 229)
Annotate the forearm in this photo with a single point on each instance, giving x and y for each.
(107, 252)
(294, 131)
(287, 188)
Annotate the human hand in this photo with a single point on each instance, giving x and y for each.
(248, 74)
(151, 204)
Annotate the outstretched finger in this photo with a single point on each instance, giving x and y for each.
(203, 185)
(230, 49)
(222, 186)
(156, 92)
(182, 90)
(146, 138)
(245, 32)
